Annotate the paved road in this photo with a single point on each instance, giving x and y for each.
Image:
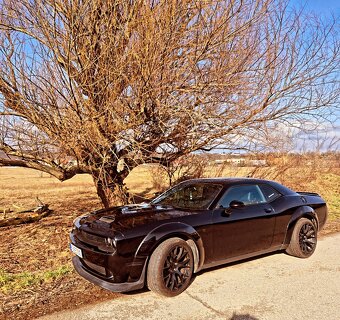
(272, 287)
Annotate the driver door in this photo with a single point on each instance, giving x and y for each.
(243, 230)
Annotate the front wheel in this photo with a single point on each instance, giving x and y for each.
(170, 267)
(304, 239)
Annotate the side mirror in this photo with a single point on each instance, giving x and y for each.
(235, 204)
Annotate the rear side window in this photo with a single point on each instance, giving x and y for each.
(269, 192)
(248, 194)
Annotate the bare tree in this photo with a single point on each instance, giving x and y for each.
(183, 168)
(113, 84)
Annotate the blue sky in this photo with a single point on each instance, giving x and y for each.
(324, 7)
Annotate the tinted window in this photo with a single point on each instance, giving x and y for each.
(189, 196)
(269, 192)
(248, 194)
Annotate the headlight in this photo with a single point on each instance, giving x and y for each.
(110, 246)
(111, 242)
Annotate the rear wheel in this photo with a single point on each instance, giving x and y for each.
(170, 267)
(304, 239)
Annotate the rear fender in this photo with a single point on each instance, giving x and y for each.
(170, 230)
(301, 212)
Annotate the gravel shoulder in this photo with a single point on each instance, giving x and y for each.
(272, 287)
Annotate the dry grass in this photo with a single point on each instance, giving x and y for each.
(20, 187)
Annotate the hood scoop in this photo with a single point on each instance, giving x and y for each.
(107, 219)
(135, 208)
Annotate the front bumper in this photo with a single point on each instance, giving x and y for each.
(116, 287)
(112, 271)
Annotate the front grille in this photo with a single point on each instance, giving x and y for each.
(90, 238)
(93, 241)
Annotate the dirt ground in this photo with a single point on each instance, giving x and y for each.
(38, 251)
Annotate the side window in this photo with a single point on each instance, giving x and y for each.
(248, 194)
(269, 192)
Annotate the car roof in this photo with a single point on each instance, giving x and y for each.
(225, 180)
(236, 180)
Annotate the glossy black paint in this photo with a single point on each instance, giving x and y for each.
(116, 243)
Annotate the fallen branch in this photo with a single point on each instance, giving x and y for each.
(24, 216)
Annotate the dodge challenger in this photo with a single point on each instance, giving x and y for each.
(195, 225)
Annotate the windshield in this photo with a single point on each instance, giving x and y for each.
(189, 196)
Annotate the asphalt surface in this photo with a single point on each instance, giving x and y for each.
(272, 287)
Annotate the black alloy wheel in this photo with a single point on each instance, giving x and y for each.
(304, 239)
(170, 267)
(307, 238)
(177, 268)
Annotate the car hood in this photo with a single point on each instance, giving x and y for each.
(126, 217)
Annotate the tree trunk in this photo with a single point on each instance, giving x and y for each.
(113, 193)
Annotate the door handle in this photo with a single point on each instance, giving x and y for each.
(268, 210)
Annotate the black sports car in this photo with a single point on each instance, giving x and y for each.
(195, 225)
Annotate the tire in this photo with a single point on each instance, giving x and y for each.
(170, 268)
(304, 239)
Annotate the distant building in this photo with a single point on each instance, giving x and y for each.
(239, 161)
(219, 161)
(258, 162)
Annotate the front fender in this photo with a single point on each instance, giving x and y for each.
(170, 230)
(301, 212)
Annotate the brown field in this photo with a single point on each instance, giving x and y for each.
(36, 276)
